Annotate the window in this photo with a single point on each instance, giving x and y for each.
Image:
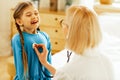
(117, 1)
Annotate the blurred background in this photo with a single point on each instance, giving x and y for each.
(51, 12)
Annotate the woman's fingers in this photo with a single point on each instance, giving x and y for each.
(41, 55)
(36, 46)
(39, 45)
(36, 50)
(42, 46)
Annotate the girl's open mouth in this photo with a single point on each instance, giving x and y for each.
(34, 22)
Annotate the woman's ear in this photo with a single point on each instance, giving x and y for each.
(19, 22)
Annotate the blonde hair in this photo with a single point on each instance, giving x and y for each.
(84, 30)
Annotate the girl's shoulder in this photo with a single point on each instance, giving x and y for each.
(16, 39)
(16, 36)
(44, 34)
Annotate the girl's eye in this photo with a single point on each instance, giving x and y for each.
(28, 15)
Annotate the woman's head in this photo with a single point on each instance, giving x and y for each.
(27, 16)
(83, 29)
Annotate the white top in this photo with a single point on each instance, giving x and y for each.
(91, 66)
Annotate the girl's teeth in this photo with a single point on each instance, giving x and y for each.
(34, 22)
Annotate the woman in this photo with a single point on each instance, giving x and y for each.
(83, 36)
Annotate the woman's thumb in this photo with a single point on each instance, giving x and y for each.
(36, 50)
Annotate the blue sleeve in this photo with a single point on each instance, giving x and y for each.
(17, 52)
(49, 56)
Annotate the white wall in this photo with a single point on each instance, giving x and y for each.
(4, 27)
(88, 3)
(5, 6)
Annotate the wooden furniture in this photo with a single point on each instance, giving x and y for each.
(10, 67)
(4, 75)
(102, 8)
(49, 23)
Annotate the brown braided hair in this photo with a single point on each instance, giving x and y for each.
(18, 11)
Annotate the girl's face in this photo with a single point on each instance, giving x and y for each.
(30, 19)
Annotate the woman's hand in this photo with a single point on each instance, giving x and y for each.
(41, 55)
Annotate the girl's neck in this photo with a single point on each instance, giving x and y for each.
(30, 31)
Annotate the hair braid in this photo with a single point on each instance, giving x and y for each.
(24, 55)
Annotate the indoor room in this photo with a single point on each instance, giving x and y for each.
(52, 12)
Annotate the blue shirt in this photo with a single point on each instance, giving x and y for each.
(35, 69)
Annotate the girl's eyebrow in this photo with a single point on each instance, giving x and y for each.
(27, 12)
(30, 12)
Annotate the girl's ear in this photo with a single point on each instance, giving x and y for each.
(19, 22)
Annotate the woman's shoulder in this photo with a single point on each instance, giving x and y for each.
(106, 59)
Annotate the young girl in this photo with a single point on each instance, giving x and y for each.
(26, 62)
(83, 36)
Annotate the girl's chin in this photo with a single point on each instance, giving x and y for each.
(34, 25)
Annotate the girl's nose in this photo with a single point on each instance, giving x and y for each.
(34, 16)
